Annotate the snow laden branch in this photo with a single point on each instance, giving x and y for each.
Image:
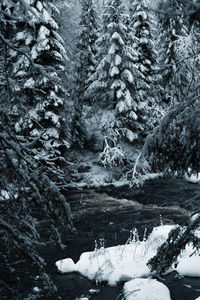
(35, 178)
(178, 239)
(35, 66)
(112, 155)
(133, 175)
(28, 196)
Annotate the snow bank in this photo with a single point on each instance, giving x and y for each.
(100, 176)
(189, 266)
(148, 289)
(66, 266)
(159, 235)
(126, 262)
(193, 178)
(112, 264)
(120, 263)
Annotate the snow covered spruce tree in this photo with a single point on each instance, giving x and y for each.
(114, 85)
(27, 193)
(86, 47)
(143, 27)
(174, 26)
(38, 93)
(174, 144)
(85, 65)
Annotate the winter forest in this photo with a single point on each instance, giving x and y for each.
(99, 135)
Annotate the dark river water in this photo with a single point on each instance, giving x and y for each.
(105, 213)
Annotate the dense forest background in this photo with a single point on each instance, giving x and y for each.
(106, 88)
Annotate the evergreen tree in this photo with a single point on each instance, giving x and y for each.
(85, 63)
(115, 82)
(142, 24)
(38, 93)
(173, 27)
(174, 144)
(27, 193)
(86, 47)
(143, 29)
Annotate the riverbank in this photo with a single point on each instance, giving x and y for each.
(108, 214)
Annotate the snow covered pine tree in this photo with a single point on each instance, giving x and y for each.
(114, 83)
(143, 27)
(174, 25)
(85, 64)
(27, 194)
(38, 92)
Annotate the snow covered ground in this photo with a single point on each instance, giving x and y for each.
(102, 176)
(128, 263)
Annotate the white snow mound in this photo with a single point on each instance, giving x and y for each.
(189, 266)
(148, 289)
(193, 178)
(66, 265)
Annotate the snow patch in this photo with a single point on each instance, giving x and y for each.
(193, 178)
(66, 265)
(148, 289)
(133, 116)
(189, 266)
(29, 84)
(48, 20)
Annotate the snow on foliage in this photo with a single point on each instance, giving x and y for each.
(49, 20)
(118, 60)
(111, 155)
(133, 115)
(142, 21)
(29, 83)
(174, 31)
(116, 36)
(119, 94)
(128, 76)
(131, 136)
(39, 6)
(122, 76)
(39, 83)
(143, 14)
